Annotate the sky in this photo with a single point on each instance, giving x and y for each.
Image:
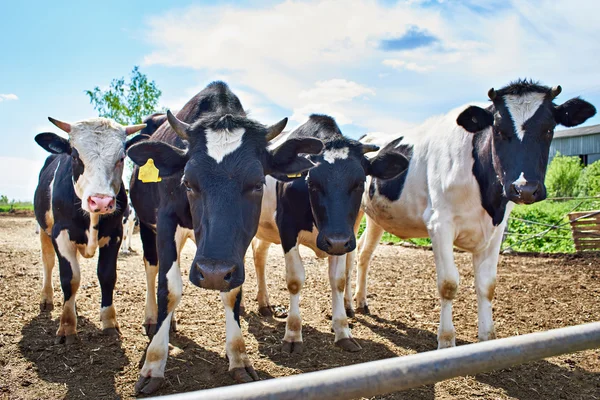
(373, 65)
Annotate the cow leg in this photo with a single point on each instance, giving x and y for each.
(441, 231)
(170, 288)
(337, 280)
(366, 247)
(350, 257)
(68, 265)
(260, 251)
(240, 367)
(292, 341)
(48, 260)
(485, 264)
(148, 237)
(107, 276)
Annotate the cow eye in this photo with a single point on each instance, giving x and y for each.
(186, 183)
(259, 186)
(358, 187)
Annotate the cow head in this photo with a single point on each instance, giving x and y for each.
(223, 171)
(337, 183)
(97, 148)
(522, 119)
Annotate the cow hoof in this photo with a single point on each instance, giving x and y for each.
(148, 385)
(242, 310)
(173, 326)
(66, 340)
(292, 347)
(363, 310)
(350, 312)
(265, 311)
(348, 344)
(244, 375)
(46, 306)
(150, 330)
(111, 332)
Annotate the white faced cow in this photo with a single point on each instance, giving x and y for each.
(319, 210)
(467, 169)
(79, 203)
(213, 161)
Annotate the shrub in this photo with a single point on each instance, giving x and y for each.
(563, 176)
(589, 181)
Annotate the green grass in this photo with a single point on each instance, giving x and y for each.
(17, 205)
(522, 235)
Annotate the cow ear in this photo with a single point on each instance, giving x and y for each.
(285, 158)
(574, 112)
(168, 159)
(136, 139)
(387, 165)
(53, 143)
(475, 119)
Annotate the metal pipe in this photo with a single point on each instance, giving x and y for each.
(401, 373)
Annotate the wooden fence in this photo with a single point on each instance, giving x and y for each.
(586, 229)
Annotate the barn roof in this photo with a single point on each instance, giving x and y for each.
(585, 130)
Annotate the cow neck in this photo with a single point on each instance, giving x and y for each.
(490, 187)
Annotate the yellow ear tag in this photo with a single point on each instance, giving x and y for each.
(294, 175)
(148, 172)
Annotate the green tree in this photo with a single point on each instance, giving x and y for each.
(589, 182)
(563, 176)
(126, 102)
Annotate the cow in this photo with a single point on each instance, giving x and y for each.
(78, 204)
(467, 170)
(212, 160)
(129, 223)
(319, 210)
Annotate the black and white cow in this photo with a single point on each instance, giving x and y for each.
(467, 170)
(129, 222)
(213, 161)
(319, 210)
(79, 203)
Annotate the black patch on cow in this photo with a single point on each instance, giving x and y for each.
(391, 189)
(294, 213)
(236, 307)
(78, 167)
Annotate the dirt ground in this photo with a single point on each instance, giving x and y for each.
(533, 294)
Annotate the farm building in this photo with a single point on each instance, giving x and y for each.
(583, 142)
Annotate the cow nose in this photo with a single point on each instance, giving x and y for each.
(527, 193)
(101, 204)
(214, 275)
(338, 244)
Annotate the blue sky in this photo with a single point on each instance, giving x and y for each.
(374, 65)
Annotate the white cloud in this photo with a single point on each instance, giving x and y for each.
(276, 53)
(8, 96)
(410, 66)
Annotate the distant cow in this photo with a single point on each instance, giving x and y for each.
(467, 170)
(318, 210)
(212, 161)
(79, 203)
(129, 222)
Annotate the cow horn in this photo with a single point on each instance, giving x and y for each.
(62, 125)
(131, 129)
(178, 126)
(492, 94)
(368, 148)
(555, 92)
(274, 130)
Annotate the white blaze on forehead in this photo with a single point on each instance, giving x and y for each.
(335, 154)
(522, 108)
(222, 142)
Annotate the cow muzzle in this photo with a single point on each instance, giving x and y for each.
(101, 204)
(336, 244)
(527, 192)
(216, 275)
